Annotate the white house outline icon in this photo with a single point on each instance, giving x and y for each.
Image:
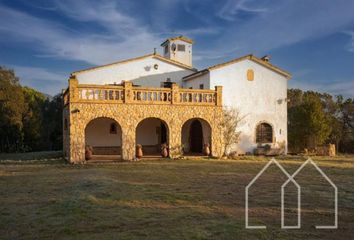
(298, 187)
(335, 226)
(272, 161)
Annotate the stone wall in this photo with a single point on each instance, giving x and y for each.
(128, 110)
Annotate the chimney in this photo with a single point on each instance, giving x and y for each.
(266, 58)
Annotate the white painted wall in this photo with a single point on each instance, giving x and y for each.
(141, 72)
(263, 99)
(179, 56)
(97, 133)
(195, 82)
(147, 132)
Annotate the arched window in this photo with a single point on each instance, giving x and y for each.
(264, 133)
(113, 128)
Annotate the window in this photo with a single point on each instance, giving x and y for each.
(113, 128)
(264, 133)
(201, 86)
(250, 75)
(166, 49)
(181, 48)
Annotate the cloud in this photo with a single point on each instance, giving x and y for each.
(286, 23)
(340, 87)
(43, 79)
(351, 43)
(119, 36)
(124, 37)
(99, 32)
(233, 7)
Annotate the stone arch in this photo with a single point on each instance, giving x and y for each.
(264, 133)
(104, 135)
(195, 133)
(151, 133)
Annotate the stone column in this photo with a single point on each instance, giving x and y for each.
(76, 136)
(174, 94)
(217, 141)
(128, 91)
(218, 100)
(175, 144)
(76, 131)
(73, 90)
(128, 142)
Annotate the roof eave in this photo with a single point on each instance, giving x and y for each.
(157, 56)
(195, 75)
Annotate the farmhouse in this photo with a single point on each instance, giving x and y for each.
(156, 100)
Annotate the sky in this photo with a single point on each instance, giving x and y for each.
(45, 40)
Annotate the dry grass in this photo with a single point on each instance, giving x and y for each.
(164, 199)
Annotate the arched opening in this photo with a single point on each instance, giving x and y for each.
(264, 133)
(104, 137)
(196, 135)
(151, 134)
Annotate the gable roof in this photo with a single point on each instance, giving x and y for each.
(153, 55)
(249, 57)
(182, 38)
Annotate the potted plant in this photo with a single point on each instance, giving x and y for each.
(207, 149)
(139, 151)
(88, 152)
(164, 150)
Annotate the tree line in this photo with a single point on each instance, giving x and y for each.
(319, 118)
(29, 120)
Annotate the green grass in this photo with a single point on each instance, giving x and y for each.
(162, 199)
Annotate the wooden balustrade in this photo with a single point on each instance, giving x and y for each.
(127, 93)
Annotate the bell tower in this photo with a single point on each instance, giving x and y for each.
(178, 49)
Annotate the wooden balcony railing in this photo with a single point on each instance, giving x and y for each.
(127, 93)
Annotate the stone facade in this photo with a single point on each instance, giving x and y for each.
(128, 106)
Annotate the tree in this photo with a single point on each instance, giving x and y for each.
(53, 123)
(33, 119)
(29, 121)
(230, 124)
(11, 109)
(347, 118)
(309, 123)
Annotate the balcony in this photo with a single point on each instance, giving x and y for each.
(127, 93)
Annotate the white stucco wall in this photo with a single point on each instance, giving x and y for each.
(183, 57)
(97, 134)
(141, 72)
(147, 132)
(260, 100)
(195, 82)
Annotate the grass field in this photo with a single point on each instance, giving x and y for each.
(167, 199)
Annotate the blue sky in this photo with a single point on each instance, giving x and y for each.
(44, 41)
